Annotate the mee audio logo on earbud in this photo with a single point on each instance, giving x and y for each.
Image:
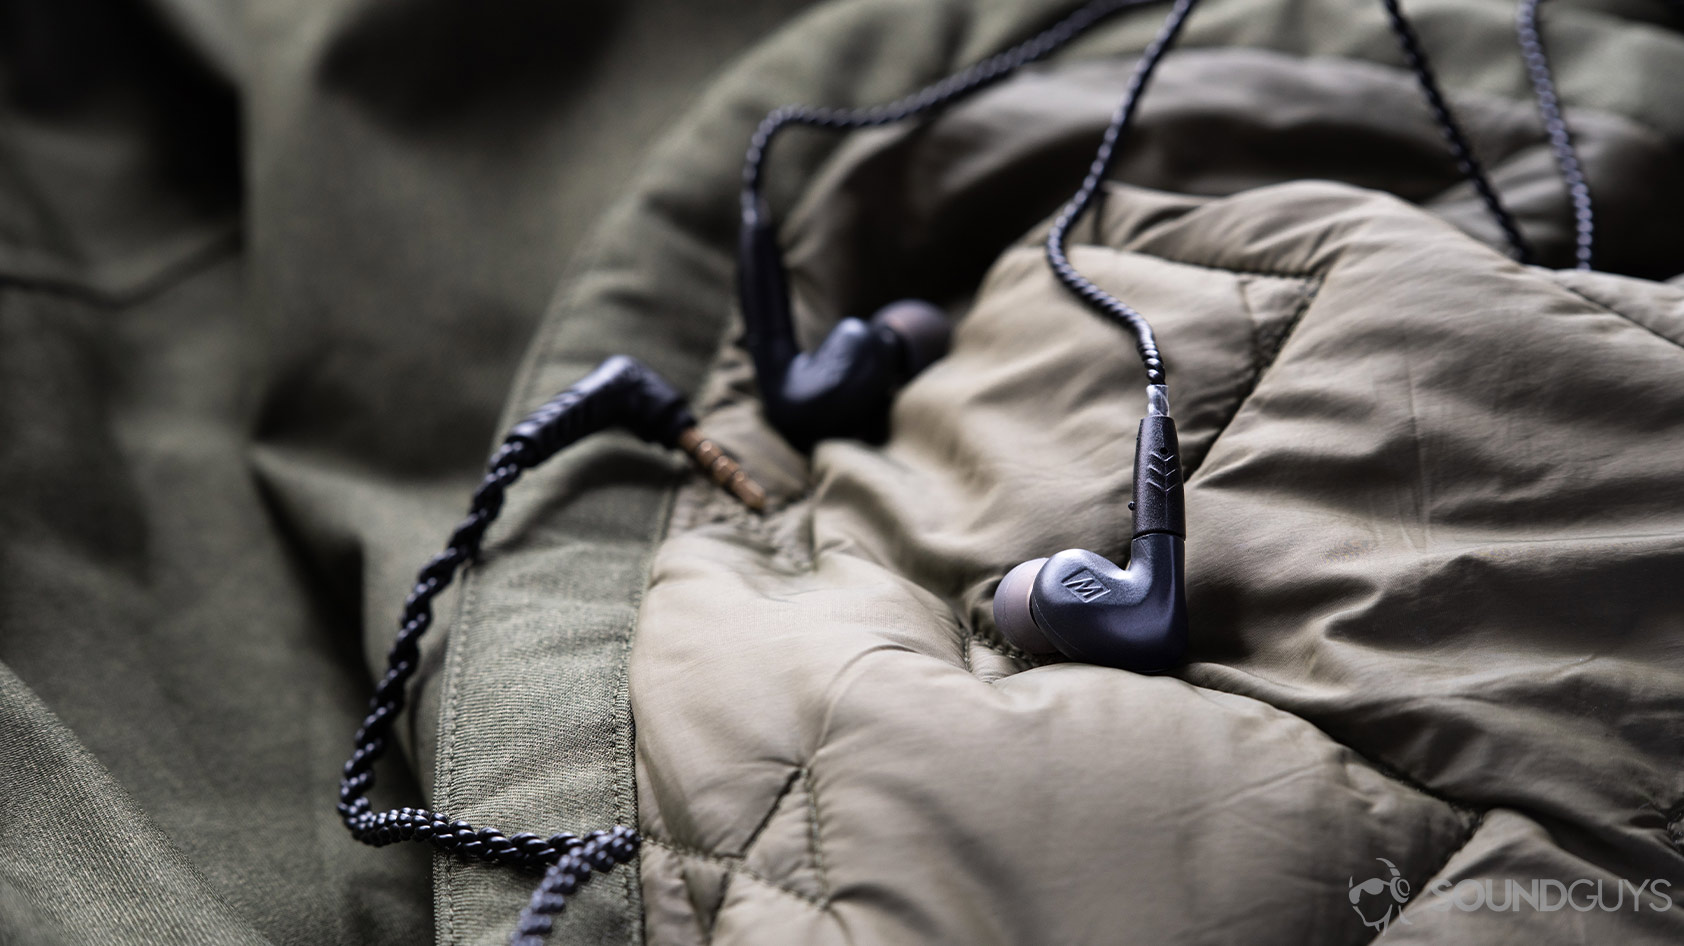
(1084, 584)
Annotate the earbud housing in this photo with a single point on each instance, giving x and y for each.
(1079, 604)
(844, 387)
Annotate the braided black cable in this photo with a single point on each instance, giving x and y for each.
(1555, 126)
(621, 391)
(934, 95)
(600, 851)
(1096, 298)
(371, 741)
(1460, 150)
(570, 860)
(522, 851)
(999, 66)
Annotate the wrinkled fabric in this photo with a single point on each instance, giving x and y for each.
(265, 273)
(1432, 516)
(1472, 677)
(1432, 505)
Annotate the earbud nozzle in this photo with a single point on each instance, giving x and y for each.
(923, 329)
(1011, 609)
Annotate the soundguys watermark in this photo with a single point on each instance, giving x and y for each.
(1380, 900)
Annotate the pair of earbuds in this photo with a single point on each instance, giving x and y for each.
(1076, 603)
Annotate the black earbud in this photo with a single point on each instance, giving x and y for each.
(1079, 604)
(843, 387)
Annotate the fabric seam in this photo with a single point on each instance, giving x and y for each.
(759, 829)
(1312, 288)
(625, 746)
(718, 906)
(815, 844)
(1580, 294)
(732, 864)
(446, 766)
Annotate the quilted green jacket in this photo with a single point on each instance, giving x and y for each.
(265, 279)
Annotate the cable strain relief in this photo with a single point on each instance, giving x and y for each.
(621, 391)
(1157, 400)
(654, 409)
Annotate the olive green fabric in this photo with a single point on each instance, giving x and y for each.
(1391, 658)
(266, 271)
(264, 275)
(1418, 463)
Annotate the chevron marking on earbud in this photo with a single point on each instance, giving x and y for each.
(1162, 473)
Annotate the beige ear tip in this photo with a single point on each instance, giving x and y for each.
(1011, 609)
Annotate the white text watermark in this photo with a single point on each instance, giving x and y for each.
(1380, 900)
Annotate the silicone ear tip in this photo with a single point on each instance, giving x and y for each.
(923, 329)
(1011, 609)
